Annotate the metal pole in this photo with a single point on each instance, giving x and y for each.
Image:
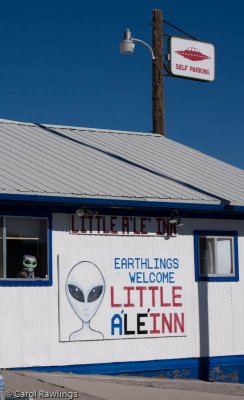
(157, 74)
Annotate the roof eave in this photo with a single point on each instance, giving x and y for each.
(145, 203)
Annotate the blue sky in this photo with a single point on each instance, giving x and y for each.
(60, 64)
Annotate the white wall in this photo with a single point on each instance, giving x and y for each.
(34, 333)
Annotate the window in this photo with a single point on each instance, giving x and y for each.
(24, 250)
(216, 256)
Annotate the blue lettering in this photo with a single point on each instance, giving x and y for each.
(139, 277)
(124, 263)
(165, 276)
(116, 323)
(152, 277)
(145, 280)
(132, 277)
(159, 276)
(171, 277)
(130, 263)
(162, 263)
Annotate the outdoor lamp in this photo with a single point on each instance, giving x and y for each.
(127, 45)
(83, 212)
(176, 219)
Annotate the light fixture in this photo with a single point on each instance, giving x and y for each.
(84, 212)
(176, 219)
(127, 45)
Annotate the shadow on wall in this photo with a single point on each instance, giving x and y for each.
(204, 366)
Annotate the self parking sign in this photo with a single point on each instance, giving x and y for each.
(192, 59)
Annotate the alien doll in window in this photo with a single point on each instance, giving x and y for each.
(29, 263)
(85, 287)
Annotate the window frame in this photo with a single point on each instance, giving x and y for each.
(36, 281)
(233, 277)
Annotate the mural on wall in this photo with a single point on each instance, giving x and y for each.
(129, 287)
(85, 287)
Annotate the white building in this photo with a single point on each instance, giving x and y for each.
(146, 278)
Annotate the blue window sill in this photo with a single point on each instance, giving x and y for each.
(218, 278)
(24, 282)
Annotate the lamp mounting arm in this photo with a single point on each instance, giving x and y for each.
(145, 45)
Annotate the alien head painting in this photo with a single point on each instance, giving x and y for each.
(85, 287)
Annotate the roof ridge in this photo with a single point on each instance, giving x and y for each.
(10, 121)
(79, 128)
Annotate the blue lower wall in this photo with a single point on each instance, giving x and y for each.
(222, 369)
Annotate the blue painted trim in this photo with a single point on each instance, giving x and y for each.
(34, 282)
(196, 256)
(58, 201)
(118, 203)
(220, 368)
(50, 251)
(199, 277)
(21, 210)
(119, 367)
(44, 209)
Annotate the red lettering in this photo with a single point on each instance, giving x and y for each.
(83, 230)
(166, 323)
(166, 227)
(162, 304)
(125, 225)
(104, 226)
(153, 290)
(143, 226)
(113, 224)
(113, 304)
(129, 289)
(154, 317)
(181, 67)
(98, 218)
(90, 217)
(176, 296)
(158, 232)
(178, 323)
(136, 232)
(200, 70)
(73, 230)
(141, 290)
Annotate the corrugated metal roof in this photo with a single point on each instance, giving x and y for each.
(80, 162)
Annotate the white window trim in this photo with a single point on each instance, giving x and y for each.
(216, 237)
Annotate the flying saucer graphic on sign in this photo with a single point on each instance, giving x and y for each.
(191, 59)
(193, 54)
